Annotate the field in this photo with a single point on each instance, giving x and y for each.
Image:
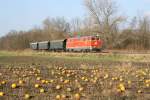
(74, 76)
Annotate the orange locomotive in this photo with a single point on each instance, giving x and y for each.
(85, 43)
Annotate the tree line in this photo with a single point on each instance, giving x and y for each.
(103, 19)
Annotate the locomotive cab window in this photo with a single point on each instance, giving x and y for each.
(97, 38)
(93, 38)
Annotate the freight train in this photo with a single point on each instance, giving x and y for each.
(74, 44)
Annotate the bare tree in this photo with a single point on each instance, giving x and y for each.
(144, 31)
(76, 25)
(104, 13)
(56, 27)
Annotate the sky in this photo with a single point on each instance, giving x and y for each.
(26, 14)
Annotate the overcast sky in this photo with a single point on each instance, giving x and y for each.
(25, 14)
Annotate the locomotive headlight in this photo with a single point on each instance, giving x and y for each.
(95, 43)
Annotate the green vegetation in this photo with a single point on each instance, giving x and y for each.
(81, 56)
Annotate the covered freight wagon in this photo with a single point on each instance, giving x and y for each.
(34, 46)
(58, 45)
(44, 45)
